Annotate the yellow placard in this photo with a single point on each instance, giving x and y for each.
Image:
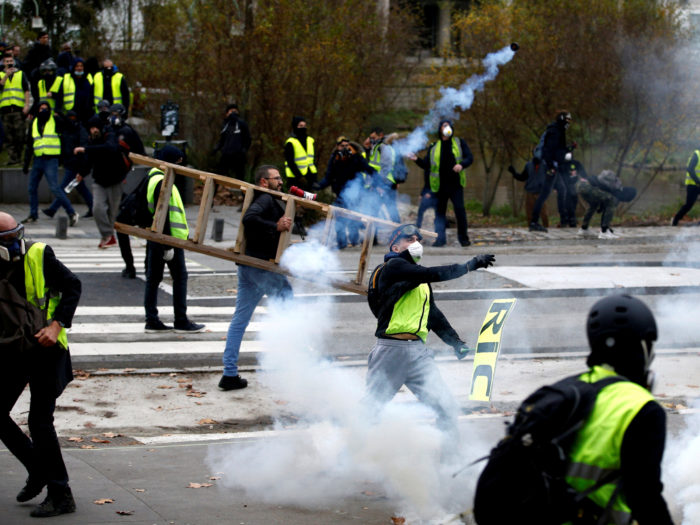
(487, 347)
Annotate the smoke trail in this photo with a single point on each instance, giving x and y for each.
(453, 98)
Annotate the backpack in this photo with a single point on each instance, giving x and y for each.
(133, 209)
(373, 292)
(524, 478)
(19, 319)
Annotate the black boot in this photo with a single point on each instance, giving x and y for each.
(32, 488)
(59, 501)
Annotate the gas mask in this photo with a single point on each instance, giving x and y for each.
(78, 73)
(415, 249)
(116, 121)
(447, 131)
(12, 245)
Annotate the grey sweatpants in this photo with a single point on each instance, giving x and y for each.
(106, 206)
(393, 363)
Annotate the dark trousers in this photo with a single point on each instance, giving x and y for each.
(14, 125)
(233, 165)
(530, 199)
(155, 264)
(427, 200)
(125, 250)
(550, 182)
(691, 195)
(47, 371)
(569, 199)
(387, 198)
(456, 196)
(347, 231)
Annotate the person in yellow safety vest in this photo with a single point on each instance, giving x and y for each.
(401, 298)
(446, 162)
(36, 281)
(46, 150)
(626, 429)
(47, 87)
(299, 157)
(382, 158)
(77, 92)
(158, 255)
(14, 107)
(109, 84)
(692, 186)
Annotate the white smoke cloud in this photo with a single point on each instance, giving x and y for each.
(338, 449)
(451, 99)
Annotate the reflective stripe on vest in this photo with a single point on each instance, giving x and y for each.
(435, 164)
(176, 211)
(410, 314)
(375, 160)
(12, 93)
(688, 179)
(35, 287)
(49, 143)
(55, 87)
(596, 451)
(98, 84)
(68, 92)
(303, 158)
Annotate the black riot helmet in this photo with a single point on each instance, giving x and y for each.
(621, 331)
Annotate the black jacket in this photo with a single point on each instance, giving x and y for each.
(234, 137)
(260, 222)
(74, 135)
(554, 148)
(130, 136)
(399, 275)
(106, 160)
(341, 171)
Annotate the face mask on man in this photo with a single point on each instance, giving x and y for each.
(12, 245)
(447, 132)
(78, 73)
(415, 249)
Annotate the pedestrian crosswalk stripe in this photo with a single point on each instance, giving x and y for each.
(159, 347)
(138, 328)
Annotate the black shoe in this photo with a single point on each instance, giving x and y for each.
(537, 227)
(157, 327)
(188, 328)
(572, 224)
(48, 212)
(88, 214)
(129, 273)
(31, 490)
(232, 383)
(55, 504)
(465, 243)
(73, 219)
(438, 244)
(30, 219)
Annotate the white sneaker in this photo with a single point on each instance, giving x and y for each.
(584, 233)
(607, 235)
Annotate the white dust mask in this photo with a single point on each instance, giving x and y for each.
(416, 251)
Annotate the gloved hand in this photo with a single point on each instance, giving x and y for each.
(481, 261)
(168, 254)
(461, 350)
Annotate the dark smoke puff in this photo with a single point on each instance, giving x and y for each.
(514, 46)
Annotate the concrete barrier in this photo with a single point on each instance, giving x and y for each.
(14, 183)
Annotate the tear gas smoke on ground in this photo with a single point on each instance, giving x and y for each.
(339, 448)
(681, 468)
(453, 98)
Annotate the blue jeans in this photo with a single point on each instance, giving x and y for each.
(253, 283)
(155, 264)
(346, 230)
(68, 176)
(424, 205)
(46, 165)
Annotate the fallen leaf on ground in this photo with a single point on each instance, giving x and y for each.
(173, 374)
(87, 446)
(214, 478)
(140, 490)
(206, 421)
(183, 380)
(193, 485)
(397, 520)
(81, 374)
(693, 386)
(165, 386)
(183, 385)
(157, 409)
(195, 393)
(111, 435)
(103, 501)
(88, 424)
(98, 440)
(124, 512)
(75, 439)
(129, 370)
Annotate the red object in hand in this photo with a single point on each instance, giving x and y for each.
(298, 192)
